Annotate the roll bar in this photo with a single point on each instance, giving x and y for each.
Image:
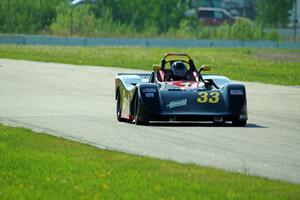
(190, 62)
(176, 54)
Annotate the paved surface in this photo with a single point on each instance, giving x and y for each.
(77, 102)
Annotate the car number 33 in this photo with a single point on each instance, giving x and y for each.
(204, 97)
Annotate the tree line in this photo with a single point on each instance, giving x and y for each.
(138, 18)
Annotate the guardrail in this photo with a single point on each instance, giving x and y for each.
(80, 41)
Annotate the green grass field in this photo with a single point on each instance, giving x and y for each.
(276, 66)
(39, 166)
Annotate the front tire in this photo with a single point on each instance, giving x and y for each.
(137, 119)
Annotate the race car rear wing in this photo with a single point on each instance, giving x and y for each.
(128, 76)
(131, 79)
(138, 74)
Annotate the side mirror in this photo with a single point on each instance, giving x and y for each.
(205, 68)
(156, 67)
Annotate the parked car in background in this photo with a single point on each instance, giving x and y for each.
(214, 16)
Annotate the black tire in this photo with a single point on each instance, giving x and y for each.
(239, 123)
(136, 118)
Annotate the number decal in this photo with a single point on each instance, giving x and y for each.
(204, 97)
(214, 97)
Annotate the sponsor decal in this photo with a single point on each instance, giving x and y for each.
(150, 90)
(236, 92)
(243, 117)
(177, 103)
(149, 95)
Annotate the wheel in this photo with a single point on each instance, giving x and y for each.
(136, 119)
(119, 109)
(239, 123)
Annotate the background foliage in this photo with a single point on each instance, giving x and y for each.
(133, 18)
(273, 12)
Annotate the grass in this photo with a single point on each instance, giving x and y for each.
(39, 166)
(275, 66)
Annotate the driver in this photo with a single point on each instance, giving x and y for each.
(178, 71)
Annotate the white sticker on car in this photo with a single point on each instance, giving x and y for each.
(177, 103)
(149, 95)
(236, 92)
(151, 90)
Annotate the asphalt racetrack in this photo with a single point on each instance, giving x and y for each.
(77, 102)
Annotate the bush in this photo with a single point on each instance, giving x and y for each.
(27, 16)
(243, 29)
(78, 21)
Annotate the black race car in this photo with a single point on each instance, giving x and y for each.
(177, 91)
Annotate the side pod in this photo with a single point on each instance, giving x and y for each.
(236, 98)
(149, 103)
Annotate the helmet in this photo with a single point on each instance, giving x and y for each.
(178, 70)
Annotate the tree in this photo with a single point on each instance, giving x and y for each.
(27, 16)
(142, 13)
(83, 20)
(273, 13)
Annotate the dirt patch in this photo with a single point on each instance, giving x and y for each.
(278, 56)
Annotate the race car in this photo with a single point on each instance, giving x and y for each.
(177, 91)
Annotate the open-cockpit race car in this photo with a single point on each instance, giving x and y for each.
(177, 91)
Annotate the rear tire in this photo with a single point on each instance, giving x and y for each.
(136, 119)
(239, 123)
